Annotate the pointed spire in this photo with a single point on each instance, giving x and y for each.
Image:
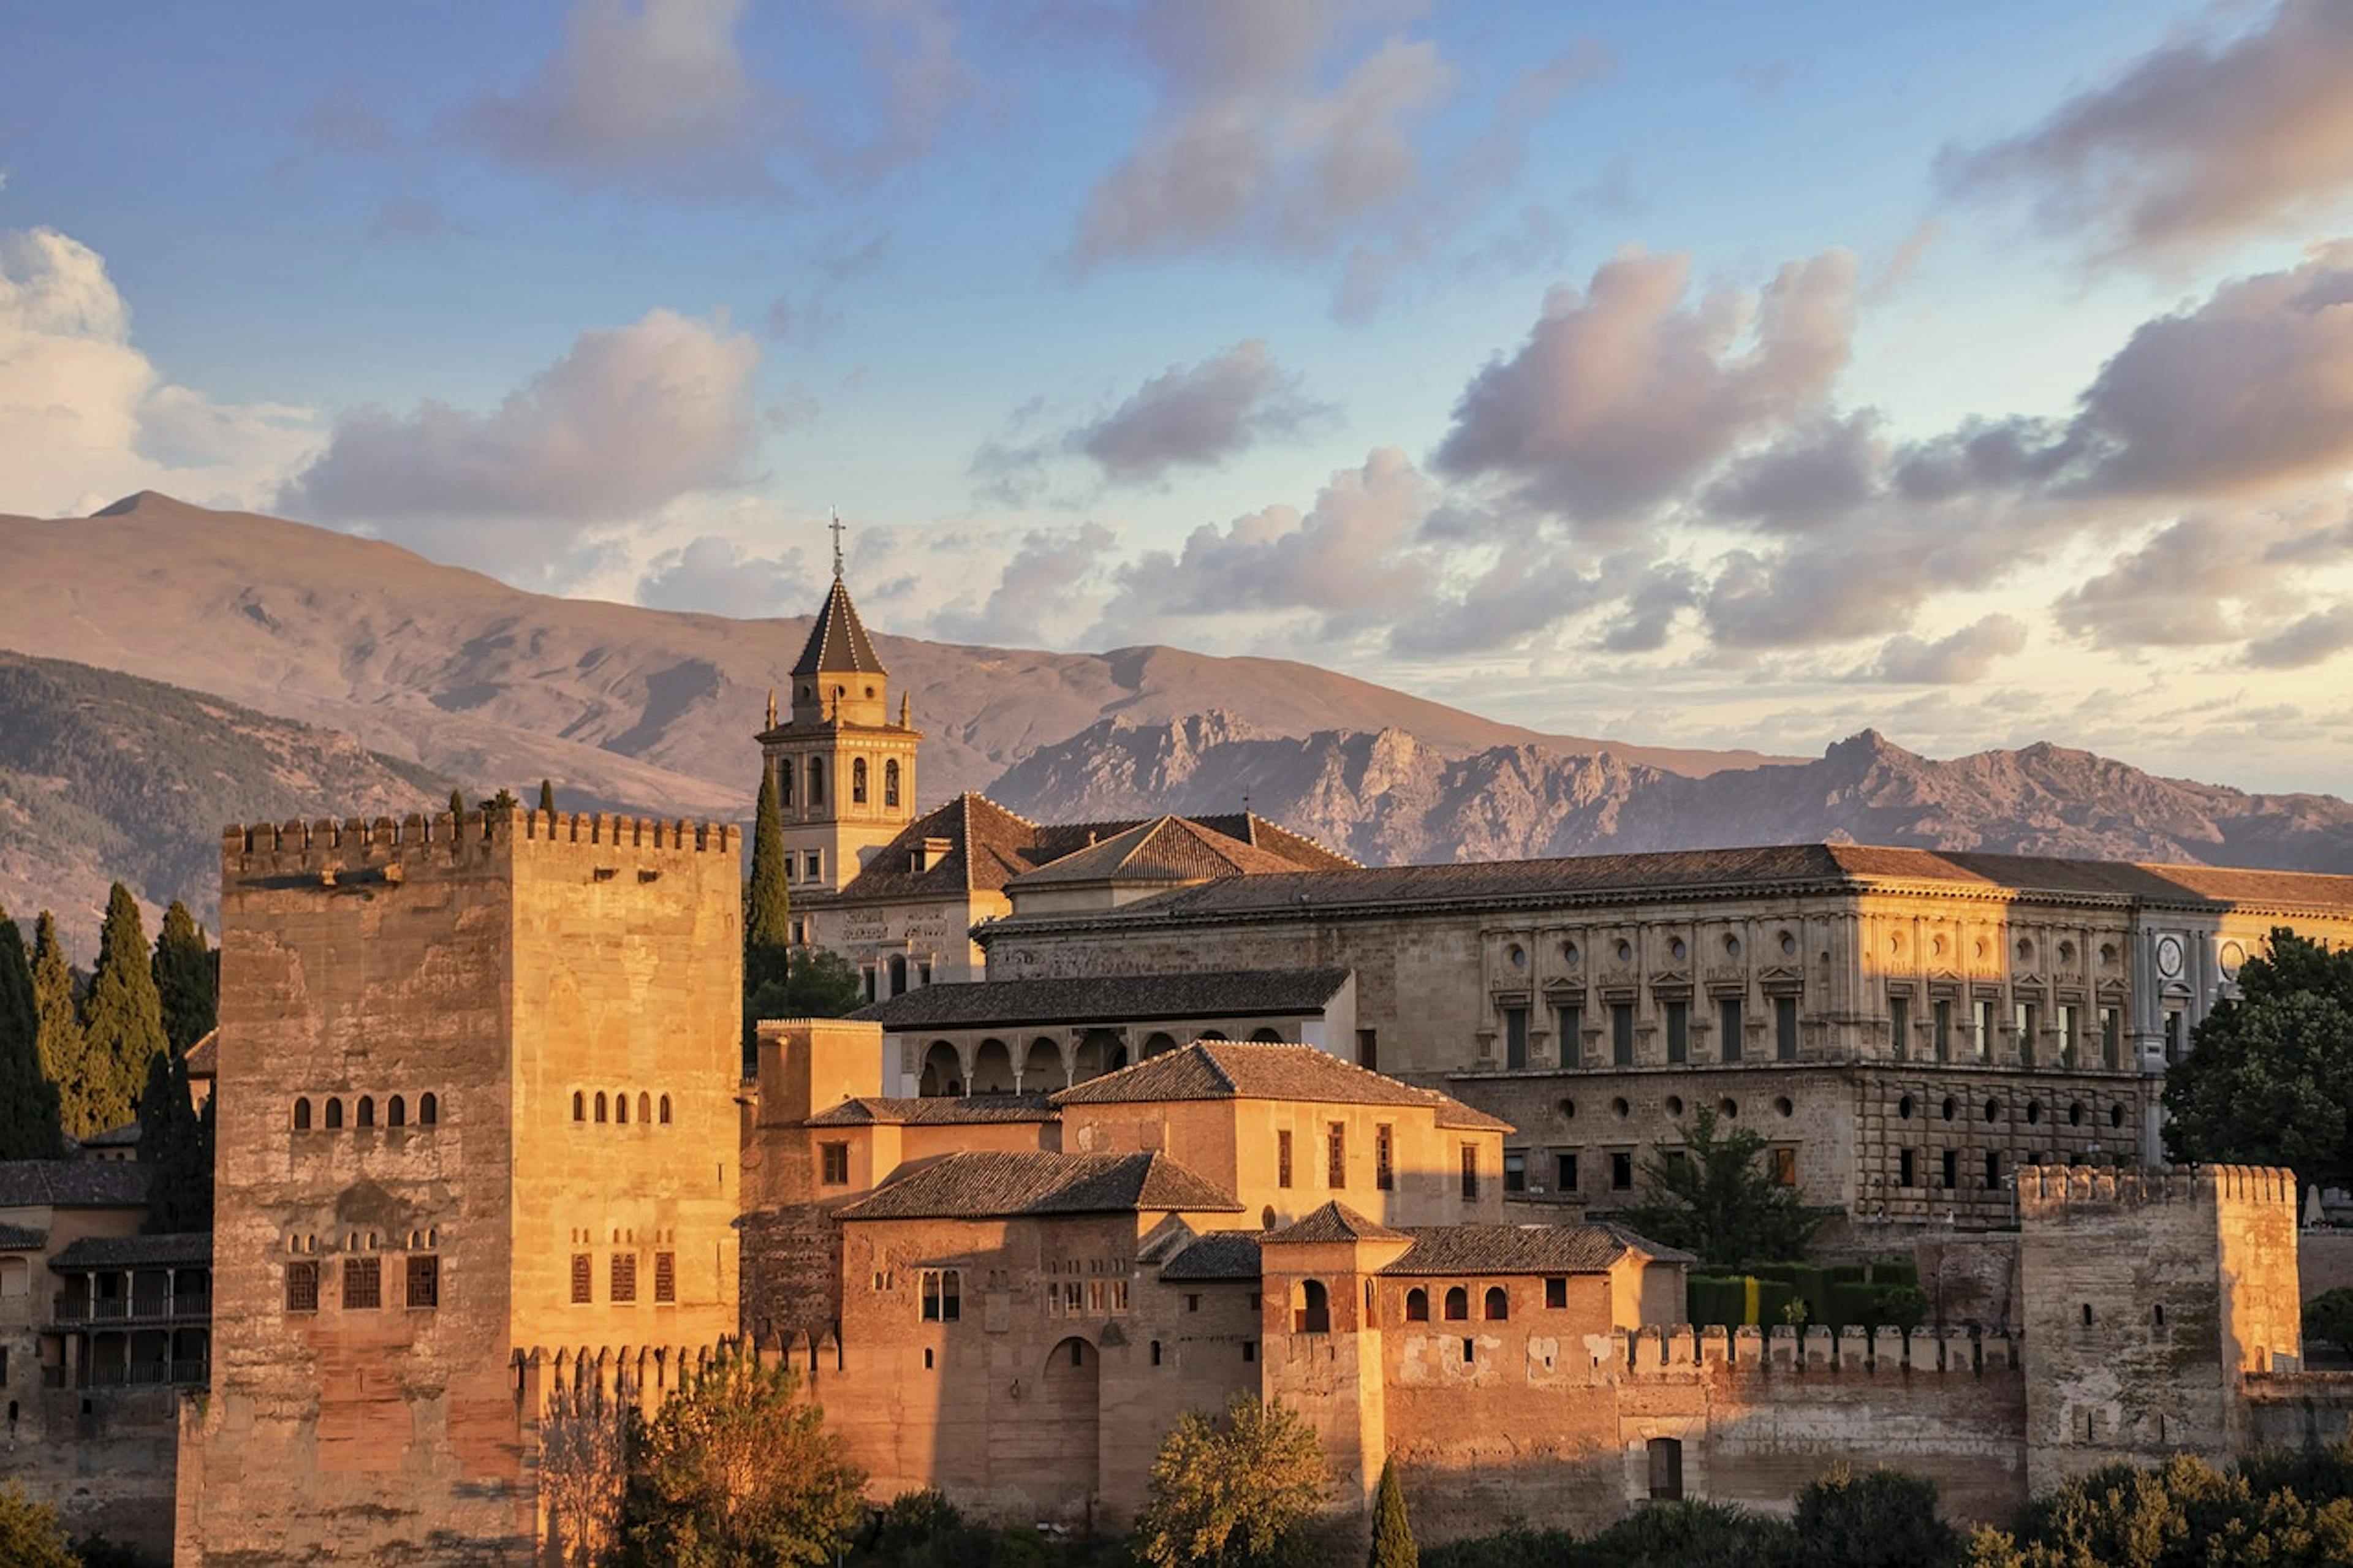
(771, 708)
(903, 710)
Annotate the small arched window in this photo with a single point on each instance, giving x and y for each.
(665, 1110)
(621, 1107)
(334, 1113)
(429, 1110)
(395, 1112)
(1313, 1313)
(366, 1110)
(1457, 1304)
(2087, 1314)
(1498, 1304)
(891, 782)
(645, 1106)
(784, 780)
(858, 780)
(816, 781)
(303, 1114)
(1417, 1305)
(579, 1106)
(600, 1105)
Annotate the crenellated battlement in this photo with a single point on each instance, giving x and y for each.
(1783, 1350)
(2047, 1191)
(327, 845)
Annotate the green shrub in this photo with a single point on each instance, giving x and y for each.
(1774, 1299)
(2329, 1316)
(1726, 1299)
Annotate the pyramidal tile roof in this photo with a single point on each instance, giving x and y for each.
(995, 1186)
(1166, 849)
(1235, 1069)
(837, 642)
(874, 1110)
(1336, 1221)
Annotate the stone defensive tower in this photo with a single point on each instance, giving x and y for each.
(476, 1095)
(2150, 1297)
(845, 773)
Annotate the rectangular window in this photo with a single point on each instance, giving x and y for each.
(1570, 1018)
(1785, 1028)
(1993, 1170)
(1470, 1170)
(1515, 1037)
(625, 1277)
(2176, 1048)
(1368, 1048)
(1621, 1034)
(1985, 1028)
(2071, 1034)
(1074, 1297)
(1335, 1155)
(1283, 1158)
(1384, 1157)
(362, 1284)
(1678, 1031)
(1904, 1168)
(2112, 1038)
(1727, 1022)
(302, 1287)
(1621, 1171)
(1952, 1169)
(1943, 1029)
(835, 1160)
(424, 1280)
(1095, 1296)
(1516, 1170)
(1556, 1292)
(2026, 1022)
(582, 1276)
(1899, 1026)
(1192, 1301)
(1785, 1167)
(1563, 1165)
(665, 1276)
(943, 1293)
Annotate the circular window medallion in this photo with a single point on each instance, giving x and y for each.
(1625, 952)
(1674, 1105)
(1789, 942)
(1568, 1111)
(1732, 947)
(2169, 956)
(1518, 956)
(2233, 955)
(1993, 1111)
(1568, 953)
(1619, 1108)
(1677, 948)
(1952, 1107)
(1903, 1108)
(1730, 1109)
(1782, 1107)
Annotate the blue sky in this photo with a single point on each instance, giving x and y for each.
(1708, 374)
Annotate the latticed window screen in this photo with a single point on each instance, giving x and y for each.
(363, 1283)
(302, 1287)
(625, 1277)
(583, 1280)
(665, 1276)
(425, 1281)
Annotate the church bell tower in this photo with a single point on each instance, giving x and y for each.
(845, 773)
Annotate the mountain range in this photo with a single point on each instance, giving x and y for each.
(306, 671)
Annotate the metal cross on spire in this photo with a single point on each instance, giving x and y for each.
(837, 544)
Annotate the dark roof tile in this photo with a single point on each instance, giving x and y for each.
(23, 1239)
(869, 1110)
(1240, 1070)
(72, 1183)
(1336, 1221)
(838, 643)
(193, 1247)
(1524, 1249)
(1166, 849)
(990, 1186)
(1218, 1255)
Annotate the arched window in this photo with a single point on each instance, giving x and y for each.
(334, 1113)
(858, 780)
(303, 1114)
(395, 1112)
(891, 782)
(1267, 1037)
(1417, 1305)
(665, 1110)
(1312, 1312)
(621, 1107)
(600, 1105)
(579, 1106)
(1209, 1034)
(898, 974)
(429, 1110)
(1498, 1304)
(816, 781)
(367, 1111)
(645, 1106)
(1457, 1304)
(784, 781)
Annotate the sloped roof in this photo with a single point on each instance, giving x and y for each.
(123, 1137)
(1336, 1221)
(1238, 1069)
(1111, 998)
(1218, 1255)
(874, 1110)
(22, 1238)
(1166, 849)
(837, 642)
(1524, 1249)
(990, 1186)
(72, 1183)
(136, 1251)
(203, 1057)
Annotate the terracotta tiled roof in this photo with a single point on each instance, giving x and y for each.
(1524, 1249)
(203, 1057)
(123, 1137)
(22, 1238)
(1117, 998)
(1231, 1069)
(1336, 1221)
(72, 1183)
(837, 642)
(996, 1185)
(1220, 1255)
(136, 1251)
(1166, 849)
(867, 1111)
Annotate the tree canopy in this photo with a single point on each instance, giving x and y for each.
(2293, 1508)
(2269, 1077)
(1716, 1197)
(187, 978)
(122, 1024)
(1392, 1531)
(176, 1143)
(30, 1536)
(60, 1038)
(28, 1100)
(1235, 1491)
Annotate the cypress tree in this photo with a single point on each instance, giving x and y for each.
(122, 1019)
(457, 803)
(547, 796)
(62, 1047)
(1392, 1533)
(28, 1100)
(186, 978)
(176, 1143)
(767, 914)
